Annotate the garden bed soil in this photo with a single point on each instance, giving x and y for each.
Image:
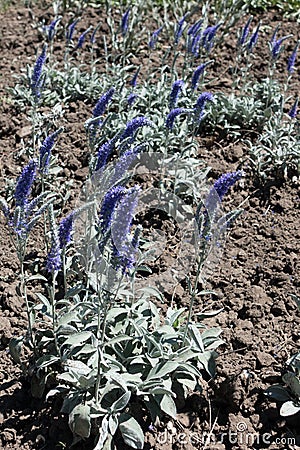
(254, 283)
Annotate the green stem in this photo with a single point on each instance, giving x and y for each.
(53, 304)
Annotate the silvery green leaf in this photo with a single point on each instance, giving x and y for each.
(74, 290)
(37, 277)
(296, 299)
(46, 361)
(121, 403)
(167, 405)
(131, 431)
(293, 382)
(38, 384)
(67, 317)
(278, 392)
(207, 360)
(162, 370)
(118, 339)
(289, 409)
(80, 421)
(161, 390)
(205, 315)
(151, 291)
(68, 377)
(57, 390)
(113, 423)
(15, 348)
(172, 316)
(79, 366)
(78, 338)
(45, 301)
(196, 336)
(104, 436)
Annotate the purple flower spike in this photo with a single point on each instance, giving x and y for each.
(53, 262)
(176, 89)
(200, 105)
(65, 230)
(245, 32)
(82, 39)
(124, 22)
(173, 114)
(253, 39)
(208, 36)
(193, 30)
(111, 198)
(294, 109)
(24, 184)
(123, 254)
(102, 103)
(131, 99)
(51, 29)
(225, 182)
(276, 47)
(45, 151)
(197, 73)
(292, 60)
(134, 125)
(179, 29)
(103, 154)
(133, 82)
(70, 30)
(36, 78)
(154, 38)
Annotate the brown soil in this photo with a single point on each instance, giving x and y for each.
(254, 282)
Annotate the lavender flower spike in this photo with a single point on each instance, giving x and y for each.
(24, 184)
(293, 111)
(179, 30)
(276, 47)
(35, 82)
(292, 60)
(70, 30)
(227, 180)
(173, 114)
(176, 88)
(53, 262)
(103, 154)
(154, 38)
(81, 39)
(102, 103)
(245, 32)
(198, 72)
(124, 22)
(45, 151)
(133, 126)
(253, 39)
(51, 29)
(131, 99)
(121, 228)
(111, 198)
(200, 104)
(65, 230)
(133, 82)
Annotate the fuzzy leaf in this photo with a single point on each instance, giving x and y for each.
(15, 348)
(131, 431)
(277, 392)
(80, 421)
(289, 409)
(168, 406)
(78, 338)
